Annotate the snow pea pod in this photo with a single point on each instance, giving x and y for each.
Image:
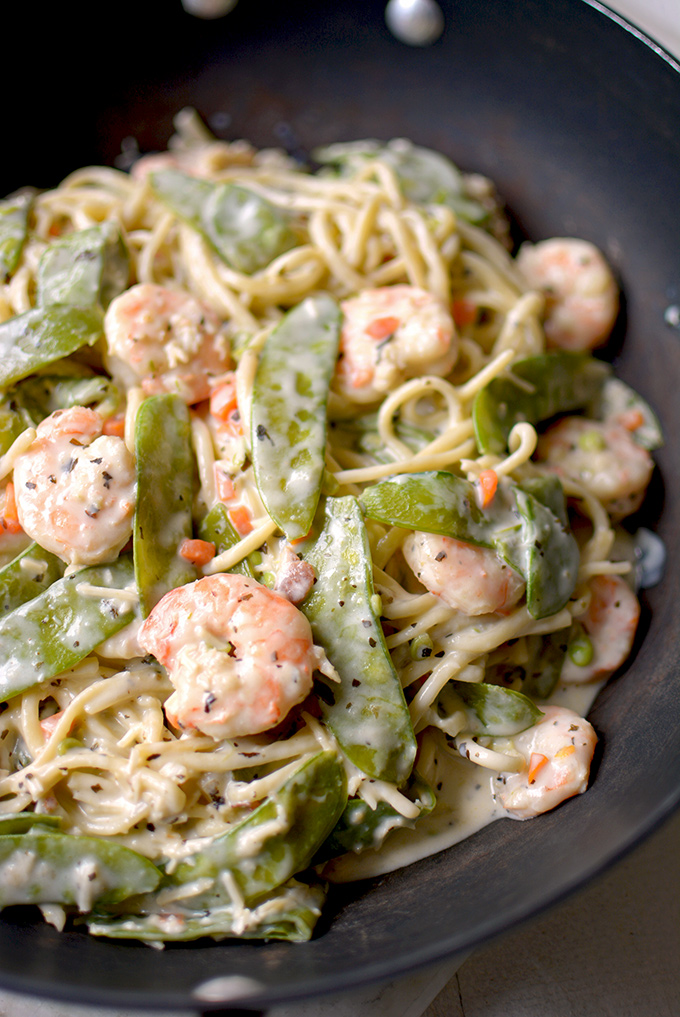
(217, 529)
(84, 268)
(491, 710)
(289, 913)
(245, 230)
(277, 839)
(617, 400)
(13, 229)
(536, 389)
(27, 576)
(288, 416)
(366, 711)
(165, 487)
(61, 626)
(540, 672)
(42, 335)
(20, 822)
(46, 867)
(360, 827)
(519, 527)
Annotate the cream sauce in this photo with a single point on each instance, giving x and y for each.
(465, 805)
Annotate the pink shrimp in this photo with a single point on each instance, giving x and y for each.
(239, 655)
(610, 623)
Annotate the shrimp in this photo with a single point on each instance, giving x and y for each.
(609, 623)
(557, 752)
(239, 655)
(582, 297)
(602, 457)
(470, 579)
(75, 488)
(389, 335)
(165, 341)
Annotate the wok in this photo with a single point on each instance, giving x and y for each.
(575, 115)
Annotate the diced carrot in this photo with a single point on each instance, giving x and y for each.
(198, 552)
(536, 763)
(49, 724)
(464, 312)
(488, 483)
(10, 516)
(567, 750)
(224, 485)
(240, 520)
(114, 426)
(382, 327)
(631, 419)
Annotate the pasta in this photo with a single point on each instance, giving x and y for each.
(293, 550)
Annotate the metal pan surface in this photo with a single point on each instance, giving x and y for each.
(575, 116)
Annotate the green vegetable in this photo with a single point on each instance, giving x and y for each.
(491, 710)
(217, 529)
(535, 390)
(27, 576)
(616, 399)
(426, 177)
(360, 827)
(43, 335)
(245, 230)
(580, 648)
(86, 268)
(45, 867)
(519, 527)
(541, 671)
(13, 229)
(58, 628)
(165, 489)
(289, 913)
(42, 395)
(20, 822)
(366, 710)
(275, 841)
(288, 416)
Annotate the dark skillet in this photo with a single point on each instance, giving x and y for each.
(577, 118)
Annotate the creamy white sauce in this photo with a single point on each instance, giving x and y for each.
(464, 805)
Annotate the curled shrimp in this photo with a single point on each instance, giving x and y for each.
(239, 655)
(581, 294)
(470, 579)
(392, 334)
(75, 488)
(557, 753)
(602, 457)
(165, 341)
(608, 629)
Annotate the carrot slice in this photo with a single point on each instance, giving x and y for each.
(464, 312)
(240, 520)
(488, 483)
(114, 426)
(536, 763)
(382, 327)
(198, 552)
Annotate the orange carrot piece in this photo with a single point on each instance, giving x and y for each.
(631, 419)
(48, 725)
(566, 750)
(536, 763)
(382, 327)
(198, 552)
(114, 426)
(488, 483)
(464, 312)
(240, 520)
(224, 485)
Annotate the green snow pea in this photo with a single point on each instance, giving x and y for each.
(84, 268)
(360, 827)
(43, 394)
(245, 230)
(426, 177)
(217, 529)
(289, 913)
(27, 576)
(61, 626)
(549, 491)
(20, 822)
(361, 435)
(165, 489)
(535, 390)
(615, 399)
(59, 868)
(366, 710)
(288, 416)
(277, 839)
(491, 710)
(519, 527)
(42, 335)
(13, 229)
(542, 670)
